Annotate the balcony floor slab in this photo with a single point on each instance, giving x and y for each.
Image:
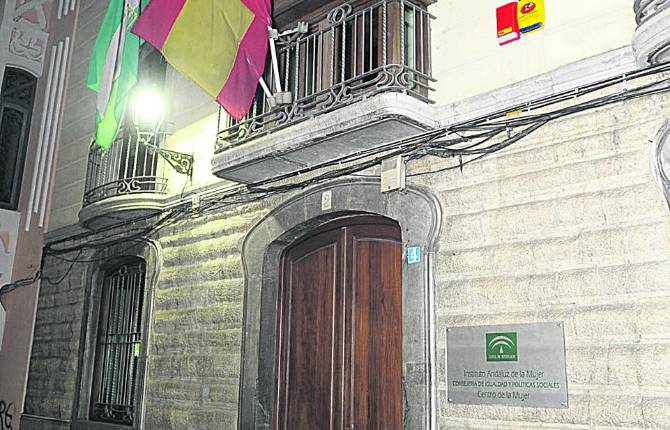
(370, 123)
(117, 209)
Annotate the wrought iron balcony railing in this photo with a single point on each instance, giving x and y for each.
(130, 166)
(346, 56)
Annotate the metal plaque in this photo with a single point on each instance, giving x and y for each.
(515, 365)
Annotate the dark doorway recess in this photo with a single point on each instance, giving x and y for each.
(339, 337)
(417, 212)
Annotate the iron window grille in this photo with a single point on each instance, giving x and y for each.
(119, 345)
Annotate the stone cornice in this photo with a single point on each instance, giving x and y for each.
(651, 40)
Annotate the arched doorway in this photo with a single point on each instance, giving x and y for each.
(339, 335)
(416, 212)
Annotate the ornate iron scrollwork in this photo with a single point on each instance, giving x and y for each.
(131, 167)
(338, 15)
(180, 162)
(120, 414)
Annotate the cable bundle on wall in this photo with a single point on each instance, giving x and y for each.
(467, 141)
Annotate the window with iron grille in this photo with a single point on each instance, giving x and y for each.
(16, 105)
(119, 344)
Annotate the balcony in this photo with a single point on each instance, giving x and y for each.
(125, 182)
(359, 78)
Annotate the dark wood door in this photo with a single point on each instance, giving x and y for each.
(340, 330)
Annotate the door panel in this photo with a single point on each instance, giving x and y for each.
(376, 375)
(310, 335)
(340, 330)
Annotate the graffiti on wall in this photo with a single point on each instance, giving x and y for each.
(7, 411)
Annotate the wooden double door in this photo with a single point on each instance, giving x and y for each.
(339, 340)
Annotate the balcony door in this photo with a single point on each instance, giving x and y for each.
(340, 330)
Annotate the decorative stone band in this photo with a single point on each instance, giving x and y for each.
(651, 40)
(660, 160)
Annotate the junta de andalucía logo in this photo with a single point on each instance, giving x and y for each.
(501, 347)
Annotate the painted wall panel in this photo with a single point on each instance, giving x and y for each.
(9, 229)
(468, 61)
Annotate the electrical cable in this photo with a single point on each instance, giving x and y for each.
(8, 288)
(475, 138)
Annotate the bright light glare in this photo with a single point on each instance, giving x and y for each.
(148, 106)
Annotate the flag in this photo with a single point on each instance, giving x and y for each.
(219, 44)
(112, 71)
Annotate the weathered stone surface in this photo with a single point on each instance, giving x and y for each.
(186, 415)
(190, 295)
(53, 363)
(194, 370)
(567, 226)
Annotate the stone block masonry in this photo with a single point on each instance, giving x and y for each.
(194, 369)
(568, 225)
(53, 363)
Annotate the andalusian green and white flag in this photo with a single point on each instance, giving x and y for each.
(112, 72)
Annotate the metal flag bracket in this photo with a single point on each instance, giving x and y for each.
(180, 162)
(280, 97)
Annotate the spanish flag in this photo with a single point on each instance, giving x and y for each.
(220, 44)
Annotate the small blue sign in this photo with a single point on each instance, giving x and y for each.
(413, 254)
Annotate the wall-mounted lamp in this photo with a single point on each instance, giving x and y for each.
(148, 107)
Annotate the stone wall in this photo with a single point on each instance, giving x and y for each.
(78, 123)
(567, 225)
(53, 362)
(194, 355)
(197, 324)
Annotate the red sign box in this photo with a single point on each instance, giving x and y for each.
(508, 23)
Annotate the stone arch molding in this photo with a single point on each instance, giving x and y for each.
(418, 214)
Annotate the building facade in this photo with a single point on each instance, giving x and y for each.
(35, 47)
(209, 273)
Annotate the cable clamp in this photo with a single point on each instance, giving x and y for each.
(195, 204)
